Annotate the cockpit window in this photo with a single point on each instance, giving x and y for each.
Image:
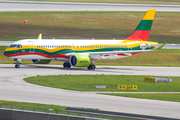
(12, 45)
(19, 46)
(15, 45)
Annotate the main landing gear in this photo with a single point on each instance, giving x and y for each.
(66, 65)
(91, 67)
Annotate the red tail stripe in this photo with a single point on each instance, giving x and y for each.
(139, 35)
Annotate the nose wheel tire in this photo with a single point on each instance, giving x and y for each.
(17, 66)
(91, 67)
(66, 65)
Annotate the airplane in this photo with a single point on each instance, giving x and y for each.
(83, 52)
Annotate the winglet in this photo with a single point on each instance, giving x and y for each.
(40, 36)
(142, 31)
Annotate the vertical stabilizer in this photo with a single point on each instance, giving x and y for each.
(141, 33)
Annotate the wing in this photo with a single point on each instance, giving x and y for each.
(106, 54)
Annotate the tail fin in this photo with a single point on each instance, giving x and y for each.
(141, 33)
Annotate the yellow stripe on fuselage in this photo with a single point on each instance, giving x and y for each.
(123, 44)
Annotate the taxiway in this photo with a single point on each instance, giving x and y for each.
(77, 6)
(13, 88)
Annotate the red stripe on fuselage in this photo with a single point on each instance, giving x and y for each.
(38, 53)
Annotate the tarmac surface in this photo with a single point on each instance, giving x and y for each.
(13, 88)
(77, 6)
(171, 46)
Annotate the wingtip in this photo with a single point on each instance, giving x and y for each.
(40, 36)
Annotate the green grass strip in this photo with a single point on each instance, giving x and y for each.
(88, 83)
(87, 25)
(30, 106)
(165, 97)
(160, 47)
(34, 106)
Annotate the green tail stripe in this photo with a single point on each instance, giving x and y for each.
(144, 25)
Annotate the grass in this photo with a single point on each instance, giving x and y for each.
(44, 107)
(165, 97)
(119, 1)
(160, 57)
(37, 107)
(87, 25)
(30, 106)
(88, 82)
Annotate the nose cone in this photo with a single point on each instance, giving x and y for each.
(5, 53)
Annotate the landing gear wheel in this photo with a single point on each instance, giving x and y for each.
(66, 65)
(17, 66)
(91, 67)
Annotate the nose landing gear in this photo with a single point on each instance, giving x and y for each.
(17, 63)
(17, 66)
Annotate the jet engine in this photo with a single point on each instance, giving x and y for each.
(41, 61)
(80, 60)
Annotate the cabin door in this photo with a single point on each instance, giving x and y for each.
(73, 46)
(31, 46)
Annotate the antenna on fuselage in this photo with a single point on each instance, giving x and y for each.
(40, 36)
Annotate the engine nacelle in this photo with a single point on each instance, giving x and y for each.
(41, 61)
(80, 60)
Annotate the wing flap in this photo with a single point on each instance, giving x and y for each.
(128, 53)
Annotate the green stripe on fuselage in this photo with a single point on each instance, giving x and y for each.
(74, 51)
